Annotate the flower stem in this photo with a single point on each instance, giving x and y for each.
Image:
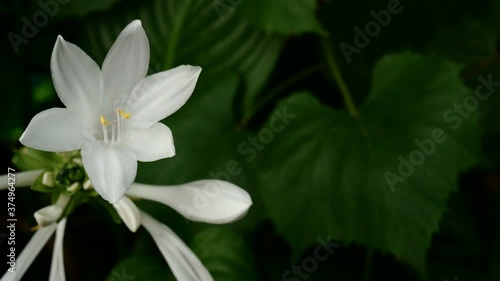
(332, 63)
(277, 90)
(174, 38)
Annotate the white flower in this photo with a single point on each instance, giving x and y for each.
(33, 248)
(111, 114)
(42, 235)
(210, 201)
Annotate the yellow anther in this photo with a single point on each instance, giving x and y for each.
(104, 121)
(123, 114)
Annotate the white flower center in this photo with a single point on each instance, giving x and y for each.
(113, 131)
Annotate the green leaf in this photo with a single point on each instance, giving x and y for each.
(470, 42)
(145, 268)
(279, 16)
(173, 28)
(225, 254)
(339, 176)
(82, 8)
(486, 82)
(31, 159)
(43, 90)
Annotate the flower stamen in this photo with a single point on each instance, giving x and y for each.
(124, 114)
(104, 123)
(116, 127)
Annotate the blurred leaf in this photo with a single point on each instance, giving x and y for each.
(347, 22)
(489, 113)
(145, 268)
(470, 42)
(31, 159)
(81, 8)
(17, 93)
(279, 16)
(225, 254)
(43, 90)
(190, 32)
(351, 178)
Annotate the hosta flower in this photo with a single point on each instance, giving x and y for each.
(112, 113)
(210, 201)
(41, 236)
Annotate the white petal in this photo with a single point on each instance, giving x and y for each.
(50, 214)
(55, 130)
(77, 78)
(111, 169)
(183, 262)
(20, 179)
(30, 252)
(57, 266)
(129, 213)
(211, 201)
(127, 61)
(151, 144)
(161, 94)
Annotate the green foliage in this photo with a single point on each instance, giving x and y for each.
(279, 16)
(82, 8)
(31, 159)
(469, 43)
(225, 254)
(343, 176)
(145, 268)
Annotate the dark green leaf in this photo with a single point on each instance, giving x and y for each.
(144, 268)
(71, 8)
(225, 254)
(472, 42)
(31, 159)
(370, 181)
(280, 16)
